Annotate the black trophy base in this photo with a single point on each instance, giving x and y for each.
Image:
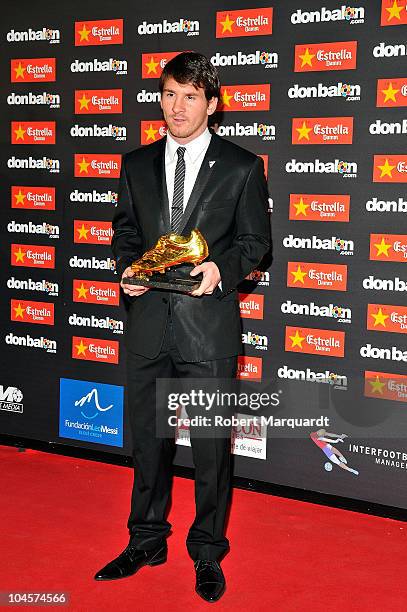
(172, 280)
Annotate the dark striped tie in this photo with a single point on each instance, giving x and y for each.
(178, 197)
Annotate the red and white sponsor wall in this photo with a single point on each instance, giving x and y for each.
(319, 91)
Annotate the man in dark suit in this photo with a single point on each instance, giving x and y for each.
(190, 179)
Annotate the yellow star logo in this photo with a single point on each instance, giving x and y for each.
(379, 318)
(386, 169)
(18, 311)
(394, 11)
(83, 232)
(382, 248)
(297, 340)
(83, 166)
(298, 275)
(19, 133)
(225, 98)
(19, 71)
(301, 207)
(390, 93)
(376, 385)
(84, 33)
(82, 292)
(151, 132)
(20, 197)
(84, 102)
(152, 66)
(307, 58)
(19, 255)
(227, 25)
(81, 348)
(303, 131)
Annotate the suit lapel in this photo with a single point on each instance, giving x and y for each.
(202, 179)
(159, 170)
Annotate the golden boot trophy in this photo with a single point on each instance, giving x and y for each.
(168, 264)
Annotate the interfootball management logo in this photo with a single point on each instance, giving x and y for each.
(48, 34)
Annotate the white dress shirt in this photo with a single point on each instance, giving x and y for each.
(194, 154)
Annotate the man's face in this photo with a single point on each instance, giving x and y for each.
(186, 109)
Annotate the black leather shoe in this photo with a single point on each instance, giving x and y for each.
(210, 581)
(130, 561)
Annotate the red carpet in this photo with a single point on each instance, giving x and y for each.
(64, 518)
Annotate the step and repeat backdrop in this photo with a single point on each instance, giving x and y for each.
(319, 91)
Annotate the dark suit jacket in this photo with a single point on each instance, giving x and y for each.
(229, 206)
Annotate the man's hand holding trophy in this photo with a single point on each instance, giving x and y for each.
(170, 264)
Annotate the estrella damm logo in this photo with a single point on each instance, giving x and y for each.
(244, 97)
(388, 247)
(393, 13)
(33, 132)
(391, 92)
(33, 198)
(325, 342)
(92, 232)
(249, 368)
(152, 64)
(383, 385)
(101, 32)
(24, 311)
(150, 131)
(387, 318)
(251, 305)
(95, 349)
(32, 256)
(97, 165)
(244, 22)
(322, 130)
(325, 56)
(319, 207)
(265, 159)
(33, 70)
(390, 168)
(96, 292)
(312, 275)
(98, 101)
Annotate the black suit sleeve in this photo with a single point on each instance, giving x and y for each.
(252, 235)
(126, 241)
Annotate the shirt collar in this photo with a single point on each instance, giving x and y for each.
(193, 148)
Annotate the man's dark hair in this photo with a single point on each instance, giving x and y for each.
(195, 68)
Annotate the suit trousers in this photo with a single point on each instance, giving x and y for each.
(153, 455)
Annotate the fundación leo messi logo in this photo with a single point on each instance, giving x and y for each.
(91, 412)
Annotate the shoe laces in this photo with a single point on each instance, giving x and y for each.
(201, 564)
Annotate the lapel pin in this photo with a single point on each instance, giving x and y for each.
(211, 163)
